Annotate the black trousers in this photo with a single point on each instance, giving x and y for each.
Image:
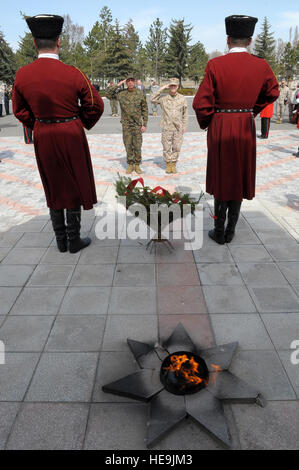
(6, 104)
(27, 135)
(265, 126)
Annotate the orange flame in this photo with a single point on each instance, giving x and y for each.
(217, 369)
(188, 368)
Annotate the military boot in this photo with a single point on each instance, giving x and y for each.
(168, 167)
(217, 234)
(232, 219)
(138, 169)
(57, 218)
(73, 220)
(173, 167)
(130, 169)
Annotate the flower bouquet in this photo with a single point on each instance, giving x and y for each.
(161, 206)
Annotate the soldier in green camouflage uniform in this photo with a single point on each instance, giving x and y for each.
(134, 117)
(111, 95)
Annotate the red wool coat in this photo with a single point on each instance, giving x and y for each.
(236, 80)
(267, 112)
(49, 89)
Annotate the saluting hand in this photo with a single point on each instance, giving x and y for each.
(121, 82)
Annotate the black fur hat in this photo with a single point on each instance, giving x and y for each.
(45, 26)
(240, 26)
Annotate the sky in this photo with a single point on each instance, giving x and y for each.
(206, 17)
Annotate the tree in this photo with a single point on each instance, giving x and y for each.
(8, 64)
(118, 56)
(197, 62)
(156, 47)
(265, 44)
(72, 35)
(26, 52)
(290, 60)
(178, 48)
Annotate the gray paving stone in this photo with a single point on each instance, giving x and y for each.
(245, 237)
(263, 223)
(247, 329)
(8, 297)
(38, 301)
(228, 299)
(13, 276)
(129, 300)
(98, 255)
(284, 252)
(275, 299)
(263, 369)
(112, 427)
(9, 239)
(2, 318)
(63, 377)
(261, 274)
(250, 253)
(93, 275)
(53, 256)
(72, 333)
(24, 256)
(274, 236)
(104, 243)
(16, 374)
(24, 333)
(287, 358)
(134, 275)
(113, 366)
(35, 240)
(32, 225)
(283, 328)
(8, 412)
(291, 271)
(86, 300)
(49, 426)
(134, 254)
(219, 274)
(275, 427)
(4, 252)
(119, 328)
(213, 254)
(48, 275)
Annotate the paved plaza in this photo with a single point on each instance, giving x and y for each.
(65, 318)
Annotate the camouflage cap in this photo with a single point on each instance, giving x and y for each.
(174, 81)
(131, 76)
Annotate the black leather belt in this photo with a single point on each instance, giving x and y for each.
(234, 110)
(55, 121)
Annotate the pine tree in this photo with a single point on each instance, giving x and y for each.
(26, 52)
(156, 47)
(197, 62)
(118, 57)
(72, 35)
(178, 49)
(8, 64)
(290, 61)
(265, 44)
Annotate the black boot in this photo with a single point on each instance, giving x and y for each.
(73, 220)
(232, 216)
(57, 218)
(217, 234)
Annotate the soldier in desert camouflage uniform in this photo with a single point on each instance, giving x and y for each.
(134, 117)
(173, 123)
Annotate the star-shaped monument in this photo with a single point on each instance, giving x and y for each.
(181, 379)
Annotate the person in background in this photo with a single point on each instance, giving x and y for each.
(28, 135)
(154, 106)
(7, 96)
(266, 115)
(112, 97)
(140, 86)
(283, 99)
(1, 98)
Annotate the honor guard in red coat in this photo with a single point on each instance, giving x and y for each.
(236, 87)
(57, 101)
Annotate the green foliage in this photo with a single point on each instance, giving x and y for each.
(26, 52)
(265, 44)
(8, 64)
(156, 48)
(119, 59)
(187, 91)
(198, 59)
(178, 49)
